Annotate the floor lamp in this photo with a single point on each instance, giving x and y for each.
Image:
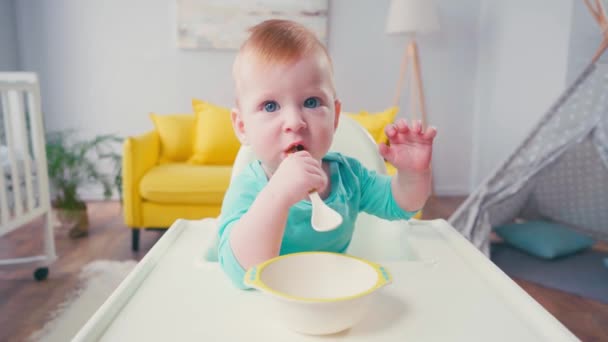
(412, 17)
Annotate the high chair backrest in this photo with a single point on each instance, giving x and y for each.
(351, 139)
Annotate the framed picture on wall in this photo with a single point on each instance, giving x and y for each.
(223, 24)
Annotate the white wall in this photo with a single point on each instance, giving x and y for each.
(367, 63)
(104, 65)
(523, 62)
(490, 72)
(9, 56)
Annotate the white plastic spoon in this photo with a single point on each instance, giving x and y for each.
(323, 217)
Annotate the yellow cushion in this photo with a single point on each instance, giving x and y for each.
(390, 169)
(375, 123)
(182, 183)
(176, 132)
(215, 142)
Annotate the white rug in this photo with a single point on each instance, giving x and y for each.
(97, 280)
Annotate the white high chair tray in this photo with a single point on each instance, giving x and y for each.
(446, 290)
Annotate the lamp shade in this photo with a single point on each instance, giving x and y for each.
(412, 16)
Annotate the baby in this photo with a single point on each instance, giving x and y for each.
(286, 102)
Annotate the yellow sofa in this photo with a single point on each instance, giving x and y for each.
(181, 169)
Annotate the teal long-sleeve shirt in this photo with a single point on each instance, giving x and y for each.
(353, 189)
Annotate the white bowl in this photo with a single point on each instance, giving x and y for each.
(318, 292)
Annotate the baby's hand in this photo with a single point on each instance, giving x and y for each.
(296, 176)
(410, 147)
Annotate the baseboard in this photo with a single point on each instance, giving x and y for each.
(96, 195)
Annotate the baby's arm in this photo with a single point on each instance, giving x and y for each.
(257, 236)
(410, 152)
(411, 190)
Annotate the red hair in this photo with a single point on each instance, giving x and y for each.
(281, 41)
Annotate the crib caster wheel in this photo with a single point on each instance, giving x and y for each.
(41, 274)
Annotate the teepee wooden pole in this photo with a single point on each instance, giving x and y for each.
(594, 12)
(599, 14)
(603, 19)
(601, 50)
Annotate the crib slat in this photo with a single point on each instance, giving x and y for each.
(39, 149)
(12, 161)
(38, 146)
(23, 145)
(4, 213)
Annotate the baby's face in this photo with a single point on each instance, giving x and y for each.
(284, 105)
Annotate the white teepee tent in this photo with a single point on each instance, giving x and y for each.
(560, 171)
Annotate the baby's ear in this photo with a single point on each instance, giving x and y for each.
(338, 110)
(238, 125)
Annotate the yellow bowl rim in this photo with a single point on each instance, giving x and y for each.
(252, 277)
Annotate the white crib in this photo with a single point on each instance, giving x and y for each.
(24, 185)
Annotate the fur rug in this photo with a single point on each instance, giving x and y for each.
(97, 280)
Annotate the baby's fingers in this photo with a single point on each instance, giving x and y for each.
(317, 178)
(401, 126)
(312, 168)
(390, 130)
(416, 126)
(430, 133)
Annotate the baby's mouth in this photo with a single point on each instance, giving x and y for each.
(295, 148)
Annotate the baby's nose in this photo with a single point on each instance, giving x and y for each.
(294, 121)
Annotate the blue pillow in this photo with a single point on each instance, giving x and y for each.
(543, 239)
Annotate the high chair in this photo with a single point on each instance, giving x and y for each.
(200, 304)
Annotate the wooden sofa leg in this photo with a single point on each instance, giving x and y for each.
(135, 239)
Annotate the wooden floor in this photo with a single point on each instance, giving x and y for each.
(25, 304)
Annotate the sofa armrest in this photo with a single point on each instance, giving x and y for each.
(140, 154)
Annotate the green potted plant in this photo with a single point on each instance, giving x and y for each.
(74, 163)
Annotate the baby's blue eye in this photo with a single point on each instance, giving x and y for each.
(311, 102)
(271, 106)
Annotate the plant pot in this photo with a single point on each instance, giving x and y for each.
(76, 220)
